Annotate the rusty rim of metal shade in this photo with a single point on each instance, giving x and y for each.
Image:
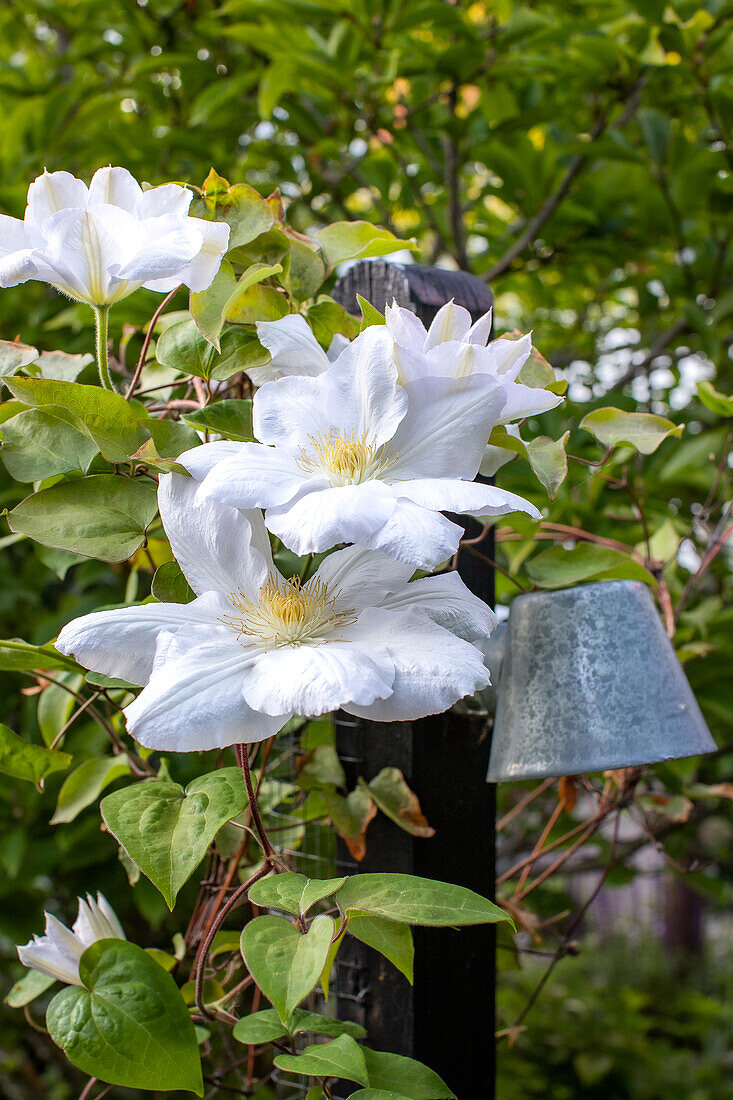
(589, 681)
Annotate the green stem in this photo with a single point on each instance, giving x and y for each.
(101, 314)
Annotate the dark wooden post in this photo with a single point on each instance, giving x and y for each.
(448, 1018)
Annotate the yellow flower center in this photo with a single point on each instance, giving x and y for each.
(345, 459)
(287, 613)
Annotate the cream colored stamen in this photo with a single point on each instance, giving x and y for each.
(345, 459)
(287, 613)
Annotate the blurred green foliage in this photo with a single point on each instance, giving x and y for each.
(576, 155)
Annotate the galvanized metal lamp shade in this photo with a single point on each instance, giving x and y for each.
(589, 681)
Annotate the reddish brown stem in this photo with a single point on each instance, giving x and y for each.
(146, 343)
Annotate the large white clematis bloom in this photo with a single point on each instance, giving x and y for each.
(100, 243)
(253, 649)
(351, 456)
(293, 350)
(57, 953)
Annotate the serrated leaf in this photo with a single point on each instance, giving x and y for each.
(103, 516)
(23, 760)
(342, 1057)
(549, 461)
(644, 431)
(286, 963)
(103, 415)
(358, 240)
(265, 1026)
(558, 567)
(85, 784)
(127, 1024)
(292, 892)
(409, 899)
(167, 831)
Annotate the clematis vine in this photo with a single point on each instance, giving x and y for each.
(352, 456)
(98, 244)
(58, 951)
(254, 648)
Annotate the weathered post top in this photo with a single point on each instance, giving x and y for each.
(422, 289)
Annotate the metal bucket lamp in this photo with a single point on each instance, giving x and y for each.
(587, 680)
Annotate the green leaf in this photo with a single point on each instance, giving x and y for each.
(231, 418)
(358, 240)
(25, 761)
(717, 402)
(55, 704)
(264, 1027)
(350, 816)
(257, 303)
(241, 207)
(85, 784)
(394, 798)
(167, 831)
(307, 270)
(171, 437)
(558, 568)
(343, 1057)
(183, 348)
(39, 443)
(219, 302)
(13, 357)
(644, 431)
(377, 1094)
(17, 655)
(127, 1024)
(549, 461)
(170, 585)
(370, 315)
(322, 767)
(405, 1076)
(285, 963)
(412, 900)
(27, 988)
(104, 416)
(293, 893)
(103, 516)
(62, 366)
(389, 938)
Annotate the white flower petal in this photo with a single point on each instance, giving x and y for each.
(451, 322)
(51, 192)
(467, 497)
(446, 427)
(447, 601)
(433, 669)
(167, 245)
(199, 273)
(169, 198)
(194, 698)
(480, 331)
(116, 931)
(407, 329)
(493, 460)
(212, 543)
(116, 187)
(362, 578)
(200, 461)
(314, 679)
(359, 392)
(505, 358)
(16, 252)
(338, 344)
(289, 412)
(414, 535)
(258, 477)
(526, 401)
(293, 347)
(122, 642)
(82, 245)
(40, 954)
(318, 520)
(92, 924)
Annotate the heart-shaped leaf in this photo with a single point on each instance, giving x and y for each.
(285, 963)
(293, 893)
(342, 1058)
(405, 1076)
(167, 831)
(644, 431)
(127, 1024)
(263, 1027)
(412, 900)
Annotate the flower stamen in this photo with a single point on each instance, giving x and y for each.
(287, 613)
(345, 459)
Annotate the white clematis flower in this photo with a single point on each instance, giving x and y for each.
(100, 243)
(253, 649)
(454, 347)
(351, 456)
(57, 953)
(293, 349)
